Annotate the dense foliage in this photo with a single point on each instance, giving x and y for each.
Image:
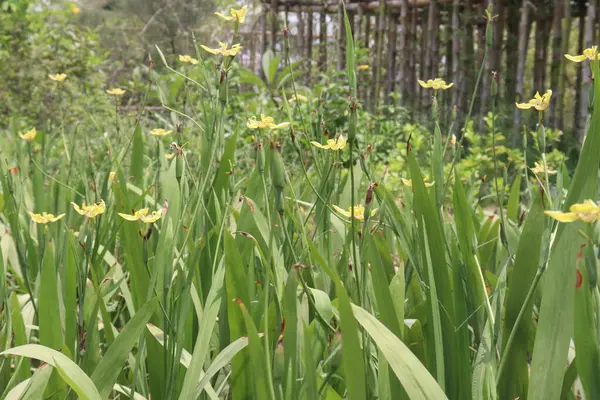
(200, 231)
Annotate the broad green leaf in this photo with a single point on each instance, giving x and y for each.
(353, 361)
(106, 373)
(585, 332)
(136, 170)
(207, 324)
(31, 388)
(73, 375)
(514, 383)
(221, 361)
(416, 380)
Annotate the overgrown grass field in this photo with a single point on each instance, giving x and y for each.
(235, 248)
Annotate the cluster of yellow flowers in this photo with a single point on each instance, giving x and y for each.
(188, 59)
(29, 135)
(588, 211)
(538, 102)
(91, 211)
(408, 182)
(160, 132)
(359, 212)
(332, 144)
(265, 122)
(541, 102)
(435, 84)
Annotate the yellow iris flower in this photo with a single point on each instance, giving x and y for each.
(435, 84)
(57, 77)
(539, 169)
(453, 140)
(588, 54)
(408, 182)
(44, 217)
(142, 215)
(359, 212)
(224, 49)
(29, 135)
(300, 98)
(363, 67)
(116, 92)
(188, 59)
(90, 211)
(332, 144)
(588, 211)
(538, 102)
(265, 122)
(160, 132)
(236, 15)
(75, 10)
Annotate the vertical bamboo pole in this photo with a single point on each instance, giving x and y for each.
(309, 45)
(577, 121)
(377, 61)
(498, 40)
(590, 24)
(557, 57)
(512, 49)
(274, 25)
(341, 39)
(301, 31)
(566, 29)
(468, 54)
(457, 77)
(411, 83)
(391, 64)
(541, 49)
(422, 99)
(263, 41)
(367, 45)
(359, 24)
(523, 44)
(323, 39)
(404, 57)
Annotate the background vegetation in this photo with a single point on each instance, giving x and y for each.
(414, 260)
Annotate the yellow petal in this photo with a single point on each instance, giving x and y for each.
(116, 92)
(281, 125)
(52, 218)
(223, 16)
(345, 213)
(319, 145)
(588, 206)
(239, 15)
(160, 132)
(374, 211)
(578, 59)
(212, 51)
(338, 143)
(524, 106)
(562, 217)
(76, 208)
(155, 216)
(425, 84)
(129, 217)
(407, 182)
(427, 184)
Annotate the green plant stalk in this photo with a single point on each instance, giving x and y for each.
(542, 140)
(499, 193)
(468, 117)
(351, 139)
(520, 316)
